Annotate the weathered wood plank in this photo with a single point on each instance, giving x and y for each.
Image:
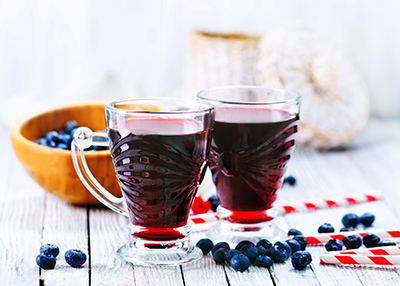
(108, 231)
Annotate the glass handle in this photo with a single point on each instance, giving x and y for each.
(84, 138)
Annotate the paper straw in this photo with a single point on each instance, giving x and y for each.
(336, 201)
(325, 237)
(383, 250)
(203, 218)
(326, 258)
(308, 205)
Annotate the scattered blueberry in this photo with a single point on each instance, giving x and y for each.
(294, 245)
(294, 231)
(333, 245)
(231, 253)
(240, 262)
(302, 240)
(367, 219)
(263, 261)
(214, 202)
(301, 259)
(250, 250)
(242, 243)
(279, 253)
(386, 242)
(352, 241)
(285, 245)
(371, 240)
(326, 228)
(205, 244)
(50, 249)
(261, 250)
(350, 220)
(219, 245)
(345, 228)
(219, 255)
(264, 243)
(75, 257)
(289, 180)
(45, 261)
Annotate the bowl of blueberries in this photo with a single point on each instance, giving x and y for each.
(42, 144)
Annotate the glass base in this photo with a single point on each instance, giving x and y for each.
(234, 227)
(167, 253)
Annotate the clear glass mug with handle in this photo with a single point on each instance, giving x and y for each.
(159, 149)
(252, 142)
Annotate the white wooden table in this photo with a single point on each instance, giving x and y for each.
(29, 217)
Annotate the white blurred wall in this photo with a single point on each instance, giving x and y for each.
(56, 51)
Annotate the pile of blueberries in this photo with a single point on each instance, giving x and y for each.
(62, 139)
(350, 222)
(262, 254)
(48, 256)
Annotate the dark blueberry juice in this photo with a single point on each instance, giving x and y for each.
(159, 164)
(250, 150)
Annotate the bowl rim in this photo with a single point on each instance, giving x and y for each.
(15, 128)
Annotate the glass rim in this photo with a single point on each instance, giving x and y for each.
(296, 96)
(207, 107)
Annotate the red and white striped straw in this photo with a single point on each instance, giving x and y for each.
(321, 238)
(384, 250)
(299, 206)
(330, 202)
(327, 258)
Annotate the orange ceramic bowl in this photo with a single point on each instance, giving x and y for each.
(52, 168)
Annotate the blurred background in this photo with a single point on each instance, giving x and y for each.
(59, 51)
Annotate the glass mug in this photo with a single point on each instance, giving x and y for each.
(253, 138)
(159, 149)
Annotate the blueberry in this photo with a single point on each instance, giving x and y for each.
(219, 245)
(302, 240)
(334, 244)
(45, 261)
(367, 219)
(263, 261)
(214, 202)
(261, 250)
(62, 146)
(242, 243)
(386, 242)
(75, 257)
(301, 259)
(205, 244)
(294, 245)
(289, 180)
(51, 136)
(350, 219)
(279, 253)
(219, 255)
(326, 228)
(250, 250)
(371, 240)
(285, 245)
(352, 241)
(99, 148)
(231, 253)
(345, 228)
(294, 231)
(264, 243)
(240, 262)
(50, 249)
(70, 126)
(66, 139)
(41, 141)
